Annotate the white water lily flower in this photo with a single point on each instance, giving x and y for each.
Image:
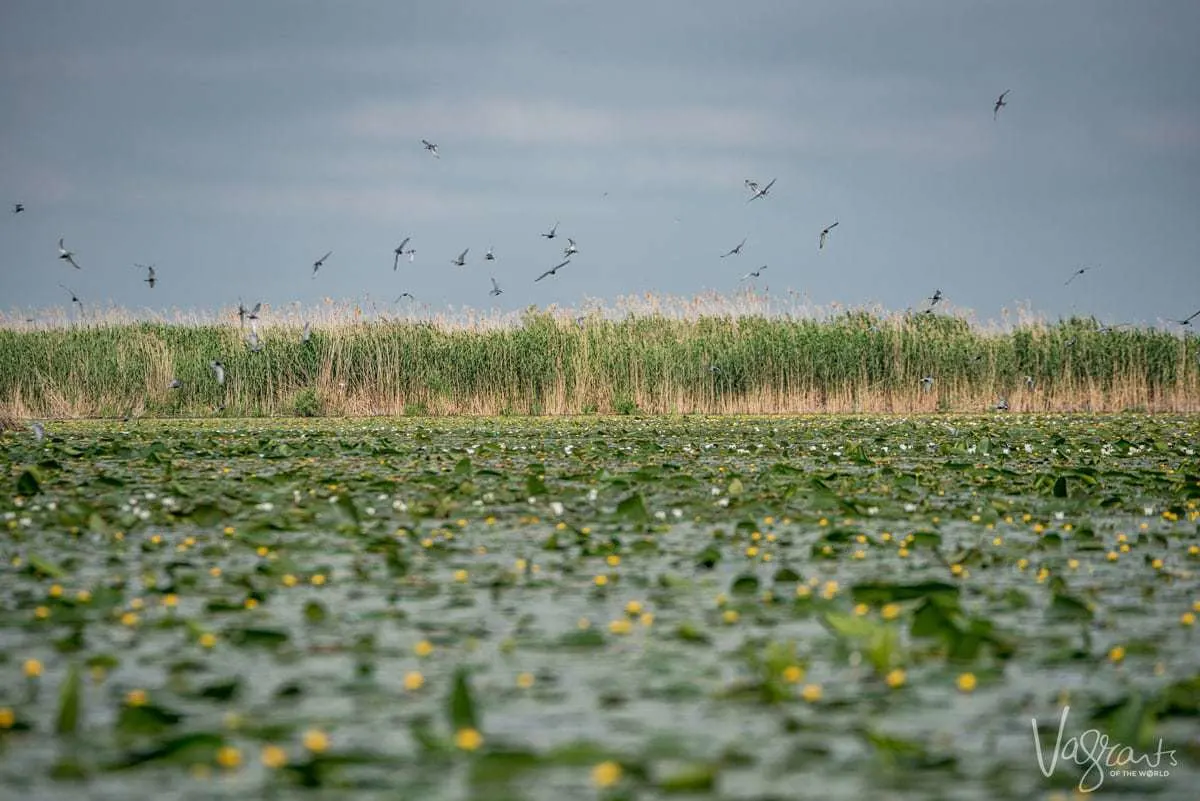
(593, 494)
(556, 507)
(370, 510)
(381, 496)
(1059, 515)
(532, 500)
(150, 496)
(399, 505)
(872, 510)
(677, 512)
(265, 506)
(715, 490)
(910, 507)
(660, 515)
(1028, 448)
(1149, 510)
(723, 502)
(333, 499)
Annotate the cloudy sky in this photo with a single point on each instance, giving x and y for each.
(233, 143)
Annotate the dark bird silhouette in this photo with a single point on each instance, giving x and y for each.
(935, 297)
(1077, 273)
(490, 255)
(461, 260)
(74, 297)
(1000, 103)
(754, 273)
(735, 251)
(404, 295)
(400, 251)
(553, 270)
(825, 233)
(570, 250)
(1188, 320)
(496, 290)
(319, 263)
(247, 314)
(553, 232)
(66, 255)
(762, 192)
(18, 208)
(150, 278)
(431, 147)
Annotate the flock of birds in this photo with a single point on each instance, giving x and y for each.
(753, 188)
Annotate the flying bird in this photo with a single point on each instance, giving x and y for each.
(927, 383)
(754, 273)
(737, 250)
(431, 147)
(553, 232)
(150, 277)
(66, 255)
(1000, 103)
(496, 290)
(489, 256)
(553, 270)
(935, 297)
(1077, 273)
(245, 314)
(400, 251)
(570, 250)
(825, 233)
(319, 263)
(461, 260)
(762, 192)
(751, 185)
(1188, 320)
(404, 295)
(18, 208)
(218, 371)
(74, 297)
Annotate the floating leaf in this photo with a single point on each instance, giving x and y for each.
(70, 703)
(633, 508)
(28, 484)
(461, 705)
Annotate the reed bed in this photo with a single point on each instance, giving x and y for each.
(646, 356)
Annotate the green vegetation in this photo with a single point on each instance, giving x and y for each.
(551, 365)
(597, 608)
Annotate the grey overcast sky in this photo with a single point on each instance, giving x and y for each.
(233, 143)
